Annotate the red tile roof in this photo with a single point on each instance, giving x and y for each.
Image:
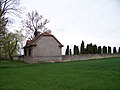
(30, 43)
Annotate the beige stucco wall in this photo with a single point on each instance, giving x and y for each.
(46, 46)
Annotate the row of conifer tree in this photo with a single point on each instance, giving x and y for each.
(91, 49)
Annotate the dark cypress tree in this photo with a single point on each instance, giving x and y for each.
(109, 50)
(99, 50)
(87, 51)
(70, 52)
(119, 50)
(74, 50)
(104, 49)
(82, 47)
(67, 50)
(77, 50)
(114, 50)
(89, 48)
(94, 49)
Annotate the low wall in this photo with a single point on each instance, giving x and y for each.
(19, 57)
(43, 59)
(65, 58)
(87, 56)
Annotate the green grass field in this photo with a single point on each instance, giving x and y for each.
(102, 74)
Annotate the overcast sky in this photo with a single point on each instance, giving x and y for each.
(71, 21)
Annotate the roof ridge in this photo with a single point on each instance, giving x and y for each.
(32, 42)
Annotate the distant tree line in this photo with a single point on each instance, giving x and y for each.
(91, 49)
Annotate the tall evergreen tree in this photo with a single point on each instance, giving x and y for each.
(89, 48)
(104, 49)
(67, 50)
(85, 51)
(95, 49)
(82, 47)
(99, 50)
(109, 50)
(74, 50)
(77, 50)
(70, 52)
(114, 50)
(119, 50)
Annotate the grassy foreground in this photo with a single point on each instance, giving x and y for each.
(101, 74)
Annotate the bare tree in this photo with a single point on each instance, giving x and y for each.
(9, 7)
(34, 23)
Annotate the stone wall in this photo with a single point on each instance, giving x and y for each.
(65, 58)
(87, 56)
(43, 59)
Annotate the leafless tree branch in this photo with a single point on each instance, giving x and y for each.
(34, 23)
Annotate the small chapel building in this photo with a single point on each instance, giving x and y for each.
(43, 48)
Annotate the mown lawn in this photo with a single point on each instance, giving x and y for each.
(102, 74)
